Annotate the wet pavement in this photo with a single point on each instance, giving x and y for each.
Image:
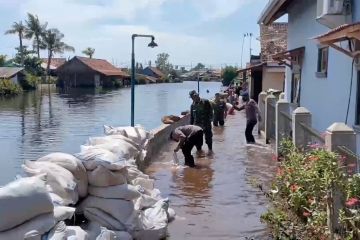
(219, 199)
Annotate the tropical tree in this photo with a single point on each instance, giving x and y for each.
(34, 29)
(199, 66)
(89, 52)
(162, 62)
(52, 40)
(228, 75)
(2, 60)
(19, 29)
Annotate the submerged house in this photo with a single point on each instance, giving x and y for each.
(153, 72)
(90, 72)
(322, 59)
(15, 74)
(263, 72)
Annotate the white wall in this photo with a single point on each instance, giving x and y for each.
(326, 98)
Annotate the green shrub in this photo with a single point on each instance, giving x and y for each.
(141, 81)
(30, 82)
(8, 88)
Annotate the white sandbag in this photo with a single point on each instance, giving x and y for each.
(148, 184)
(62, 213)
(93, 229)
(122, 149)
(118, 208)
(145, 202)
(134, 172)
(57, 200)
(93, 141)
(72, 164)
(113, 235)
(138, 134)
(171, 214)
(103, 177)
(103, 219)
(23, 200)
(124, 191)
(60, 180)
(32, 229)
(63, 232)
(154, 222)
(76, 233)
(94, 156)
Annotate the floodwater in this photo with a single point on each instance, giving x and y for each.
(37, 123)
(219, 200)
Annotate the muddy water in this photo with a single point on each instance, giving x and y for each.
(218, 199)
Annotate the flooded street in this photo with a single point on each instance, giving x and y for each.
(37, 123)
(218, 200)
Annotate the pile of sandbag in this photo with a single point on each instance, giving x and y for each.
(27, 212)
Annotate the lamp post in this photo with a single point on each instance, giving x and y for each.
(152, 44)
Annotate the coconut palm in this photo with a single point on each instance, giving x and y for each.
(89, 52)
(34, 29)
(52, 40)
(19, 29)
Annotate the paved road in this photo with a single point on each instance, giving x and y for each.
(218, 200)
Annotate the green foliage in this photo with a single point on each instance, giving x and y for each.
(8, 88)
(301, 189)
(141, 81)
(198, 67)
(89, 52)
(30, 82)
(162, 62)
(2, 60)
(228, 75)
(35, 30)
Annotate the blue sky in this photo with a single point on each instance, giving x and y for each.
(191, 31)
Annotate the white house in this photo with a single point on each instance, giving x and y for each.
(15, 74)
(320, 75)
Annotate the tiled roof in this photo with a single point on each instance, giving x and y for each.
(338, 29)
(157, 71)
(102, 66)
(55, 62)
(8, 72)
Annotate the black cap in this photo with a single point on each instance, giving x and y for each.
(192, 93)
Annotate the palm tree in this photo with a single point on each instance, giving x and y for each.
(52, 40)
(34, 29)
(19, 29)
(89, 52)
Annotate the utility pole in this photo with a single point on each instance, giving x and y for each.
(242, 50)
(250, 44)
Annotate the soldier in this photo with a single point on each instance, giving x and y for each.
(202, 115)
(220, 110)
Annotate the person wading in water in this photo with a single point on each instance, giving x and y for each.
(188, 136)
(220, 110)
(201, 114)
(252, 116)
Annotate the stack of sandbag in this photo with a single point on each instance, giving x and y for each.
(67, 177)
(26, 209)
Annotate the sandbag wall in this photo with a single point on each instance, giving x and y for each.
(102, 183)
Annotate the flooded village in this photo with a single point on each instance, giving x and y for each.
(129, 120)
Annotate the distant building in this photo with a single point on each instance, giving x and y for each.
(15, 74)
(153, 72)
(90, 72)
(54, 65)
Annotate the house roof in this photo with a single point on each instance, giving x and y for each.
(273, 10)
(253, 67)
(150, 79)
(157, 71)
(8, 72)
(55, 63)
(102, 66)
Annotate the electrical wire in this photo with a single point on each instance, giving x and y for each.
(351, 83)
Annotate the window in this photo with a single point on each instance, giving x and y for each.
(322, 66)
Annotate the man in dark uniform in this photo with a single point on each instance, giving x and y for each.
(220, 109)
(202, 115)
(188, 136)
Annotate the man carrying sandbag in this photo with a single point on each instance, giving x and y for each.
(188, 136)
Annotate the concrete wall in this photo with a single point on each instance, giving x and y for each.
(274, 80)
(326, 98)
(161, 137)
(356, 10)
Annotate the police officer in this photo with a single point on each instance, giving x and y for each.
(202, 115)
(220, 109)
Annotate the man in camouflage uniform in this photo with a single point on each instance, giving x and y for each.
(220, 110)
(202, 115)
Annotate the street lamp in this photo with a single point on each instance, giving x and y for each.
(152, 44)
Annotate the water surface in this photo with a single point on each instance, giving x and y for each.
(37, 123)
